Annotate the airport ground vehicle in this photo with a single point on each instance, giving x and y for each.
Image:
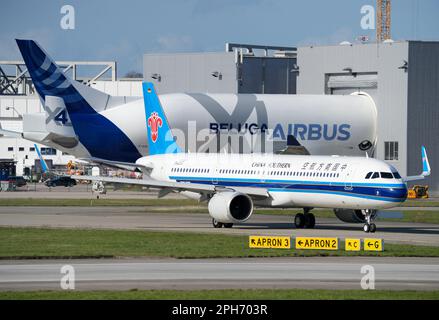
(60, 181)
(17, 181)
(418, 192)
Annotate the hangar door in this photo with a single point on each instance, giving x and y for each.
(348, 83)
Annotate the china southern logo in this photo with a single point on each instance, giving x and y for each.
(155, 122)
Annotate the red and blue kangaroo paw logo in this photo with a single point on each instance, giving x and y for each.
(154, 122)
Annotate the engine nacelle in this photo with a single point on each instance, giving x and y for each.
(230, 207)
(350, 215)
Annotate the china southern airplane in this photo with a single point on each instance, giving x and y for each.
(356, 188)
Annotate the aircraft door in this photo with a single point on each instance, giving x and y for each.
(215, 173)
(348, 177)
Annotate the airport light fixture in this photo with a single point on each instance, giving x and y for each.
(20, 116)
(349, 71)
(217, 74)
(156, 76)
(404, 66)
(295, 68)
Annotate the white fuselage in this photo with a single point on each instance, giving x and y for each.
(291, 180)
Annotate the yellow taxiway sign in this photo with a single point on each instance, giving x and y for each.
(317, 243)
(373, 244)
(275, 242)
(352, 244)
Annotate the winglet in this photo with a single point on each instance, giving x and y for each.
(426, 170)
(42, 161)
(160, 138)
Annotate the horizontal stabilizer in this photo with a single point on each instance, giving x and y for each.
(294, 147)
(11, 134)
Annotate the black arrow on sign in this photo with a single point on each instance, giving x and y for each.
(369, 244)
(300, 242)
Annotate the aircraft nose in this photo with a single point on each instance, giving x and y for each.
(398, 193)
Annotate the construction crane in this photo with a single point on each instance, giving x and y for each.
(383, 20)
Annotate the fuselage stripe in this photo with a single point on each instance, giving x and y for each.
(387, 192)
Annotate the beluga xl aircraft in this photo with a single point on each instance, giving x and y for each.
(356, 188)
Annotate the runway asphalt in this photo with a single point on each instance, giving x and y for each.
(138, 218)
(309, 273)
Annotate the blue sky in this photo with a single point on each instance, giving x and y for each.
(124, 30)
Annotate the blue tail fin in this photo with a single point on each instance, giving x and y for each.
(160, 138)
(100, 136)
(42, 161)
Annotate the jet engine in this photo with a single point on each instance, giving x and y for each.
(230, 207)
(350, 215)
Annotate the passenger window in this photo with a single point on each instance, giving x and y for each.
(368, 175)
(386, 175)
(375, 175)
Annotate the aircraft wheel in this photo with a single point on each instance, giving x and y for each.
(310, 221)
(216, 224)
(299, 220)
(228, 225)
(366, 228)
(373, 227)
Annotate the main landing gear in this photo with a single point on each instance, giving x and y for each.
(217, 224)
(369, 216)
(305, 220)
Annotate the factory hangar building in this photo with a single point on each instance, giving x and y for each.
(402, 77)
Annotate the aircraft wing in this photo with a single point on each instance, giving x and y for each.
(177, 186)
(119, 164)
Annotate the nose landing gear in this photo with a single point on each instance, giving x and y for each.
(369, 215)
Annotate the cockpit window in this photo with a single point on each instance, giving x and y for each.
(375, 175)
(368, 175)
(386, 175)
(396, 175)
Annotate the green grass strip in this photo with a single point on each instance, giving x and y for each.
(22, 243)
(250, 294)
